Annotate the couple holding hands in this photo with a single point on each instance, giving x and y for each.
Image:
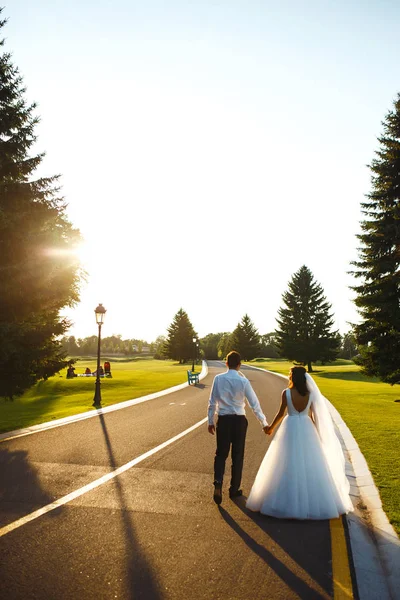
(302, 475)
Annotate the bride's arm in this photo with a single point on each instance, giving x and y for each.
(279, 415)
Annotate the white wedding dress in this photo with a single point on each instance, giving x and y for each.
(302, 475)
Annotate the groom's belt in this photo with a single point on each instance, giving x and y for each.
(230, 415)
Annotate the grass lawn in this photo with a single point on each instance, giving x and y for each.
(60, 397)
(369, 409)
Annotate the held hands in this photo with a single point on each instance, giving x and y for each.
(211, 429)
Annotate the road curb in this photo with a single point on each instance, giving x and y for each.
(369, 526)
(375, 545)
(95, 412)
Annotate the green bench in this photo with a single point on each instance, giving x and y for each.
(192, 377)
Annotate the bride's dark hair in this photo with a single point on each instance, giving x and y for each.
(297, 379)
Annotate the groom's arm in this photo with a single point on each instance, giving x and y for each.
(255, 404)
(212, 407)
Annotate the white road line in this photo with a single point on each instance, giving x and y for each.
(91, 486)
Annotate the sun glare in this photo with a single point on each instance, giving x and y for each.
(88, 255)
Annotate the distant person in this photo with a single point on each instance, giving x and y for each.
(228, 394)
(88, 371)
(70, 372)
(101, 372)
(107, 368)
(302, 475)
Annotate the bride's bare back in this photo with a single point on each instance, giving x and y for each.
(299, 402)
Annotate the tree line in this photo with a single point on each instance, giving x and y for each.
(304, 334)
(113, 344)
(41, 274)
(179, 344)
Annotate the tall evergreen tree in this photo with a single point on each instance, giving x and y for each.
(304, 334)
(378, 296)
(179, 343)
(246, 339)
(39, 273)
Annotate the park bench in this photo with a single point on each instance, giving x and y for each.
(192, 377)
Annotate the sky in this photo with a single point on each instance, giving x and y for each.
(208, 149)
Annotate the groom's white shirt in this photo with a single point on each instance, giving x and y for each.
(228, 395)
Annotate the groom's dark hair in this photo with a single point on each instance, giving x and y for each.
(233, 359)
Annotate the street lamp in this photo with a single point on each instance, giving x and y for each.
(100, 311)
(194, 352)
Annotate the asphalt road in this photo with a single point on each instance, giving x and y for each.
(153, 532)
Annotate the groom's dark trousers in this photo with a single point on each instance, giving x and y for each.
(231, 432)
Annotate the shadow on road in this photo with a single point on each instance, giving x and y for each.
(21, 491)
(294, 538)
(142, 578)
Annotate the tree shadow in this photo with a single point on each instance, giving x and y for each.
(344, 375)
(143, 581)
(21, 492)
(301, 540)
(24, 412)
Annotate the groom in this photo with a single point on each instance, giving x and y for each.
(227, 399)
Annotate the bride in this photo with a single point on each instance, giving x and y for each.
(302, 475)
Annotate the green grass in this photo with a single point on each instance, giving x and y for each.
(60, 397)
(369, 409)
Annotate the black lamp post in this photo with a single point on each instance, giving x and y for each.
(100, 311)
(194, 353)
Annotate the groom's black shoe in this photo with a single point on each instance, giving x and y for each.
(217, 493)
(235, 494)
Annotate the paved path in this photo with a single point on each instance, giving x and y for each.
(153, 532)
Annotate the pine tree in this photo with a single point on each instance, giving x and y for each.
(179, 343)
(39, 274)
(378, 296)
(246, 339)
(304, 334)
